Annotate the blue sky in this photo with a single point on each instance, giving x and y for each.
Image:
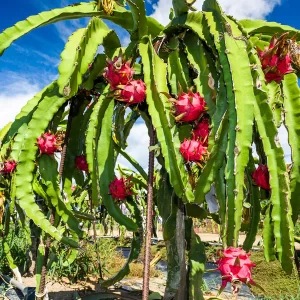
(36, 55)
(39, 50)
(32, 61)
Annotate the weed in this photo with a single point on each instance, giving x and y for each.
(86, 263)
(19, 243)
(297, 229)
(137, 269)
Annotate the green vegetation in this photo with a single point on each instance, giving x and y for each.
(86, 266)
(276, 283)
(18, 240)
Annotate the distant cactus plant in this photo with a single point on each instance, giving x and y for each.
(214, 88)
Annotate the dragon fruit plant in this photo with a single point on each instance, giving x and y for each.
(209, 88)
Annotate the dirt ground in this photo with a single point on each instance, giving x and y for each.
(211, 237)
(65, 291)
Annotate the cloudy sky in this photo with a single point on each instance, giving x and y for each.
(32, 61)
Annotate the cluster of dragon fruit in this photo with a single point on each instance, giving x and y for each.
(189, 107)
(119, 75)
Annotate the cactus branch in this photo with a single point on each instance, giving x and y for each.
(52, 216)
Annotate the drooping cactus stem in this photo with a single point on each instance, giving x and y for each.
(61, 169)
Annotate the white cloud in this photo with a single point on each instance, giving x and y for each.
(138, 143)
(283, 138)
(16, 90)
(240, 9)
(11, 103)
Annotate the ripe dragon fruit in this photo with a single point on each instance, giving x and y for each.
(81, 163)
(8, 166)
(275, 61)
(132, 93)
(48, 143)
(118, 72)
(201, 132)
(189, 106)
(193, 150)
(235, 267)
(120, 188)
(261, 177)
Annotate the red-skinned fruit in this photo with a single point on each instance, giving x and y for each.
(189, 106)
(193, 150)
(120, 188)
(8, 166)
(235, 267)
(47, 143)
(261, 177)
(275, 61)
(201, 131)
(118, 72)
(133, 92)
(81, 163)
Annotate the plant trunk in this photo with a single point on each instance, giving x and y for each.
(42, 288)
(146, 277)
(181, 243)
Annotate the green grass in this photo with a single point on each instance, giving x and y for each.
(276, 283)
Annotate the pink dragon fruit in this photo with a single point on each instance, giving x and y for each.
(8, 166)
(189, 106)
(118, 72)
(48, 143)
(120, 188)
(235, 267)
(201, 132)
(81, 163)
(275, 62)
(261, 177)
(193, 150)
(132, 93)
